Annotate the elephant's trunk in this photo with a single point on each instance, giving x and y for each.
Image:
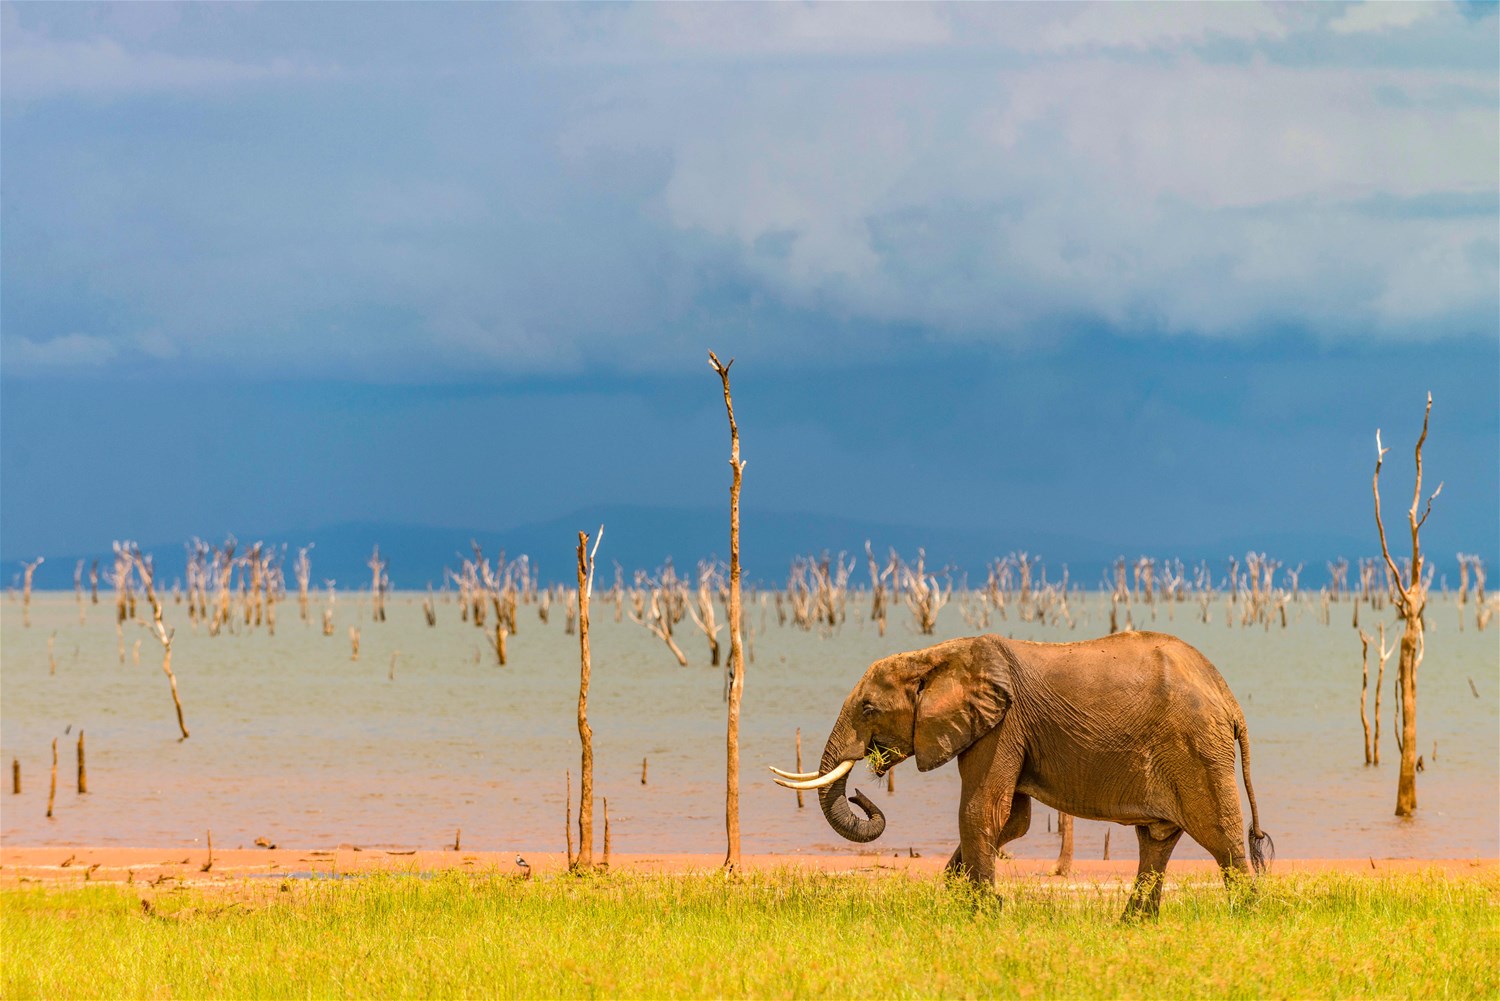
(831, 798)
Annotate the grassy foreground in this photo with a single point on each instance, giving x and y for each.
(785, 934)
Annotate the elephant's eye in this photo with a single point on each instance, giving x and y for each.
(869, 709)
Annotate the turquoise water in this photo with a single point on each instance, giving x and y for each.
(295, 742)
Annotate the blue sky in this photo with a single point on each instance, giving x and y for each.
(1152, 274)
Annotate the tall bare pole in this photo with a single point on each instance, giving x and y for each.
(736, 650)
(585, 733)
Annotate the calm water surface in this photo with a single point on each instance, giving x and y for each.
(295, 742)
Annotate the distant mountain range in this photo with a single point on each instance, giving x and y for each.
(641, 537)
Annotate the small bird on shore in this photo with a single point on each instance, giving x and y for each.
(525, 865)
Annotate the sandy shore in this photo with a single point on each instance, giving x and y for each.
(131, 865)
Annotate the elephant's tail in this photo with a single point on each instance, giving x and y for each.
(1260, 841)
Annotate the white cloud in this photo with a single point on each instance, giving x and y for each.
(967, 171)
(38, 67)
(1150, 196)
(1381, 15)
(1108, 26)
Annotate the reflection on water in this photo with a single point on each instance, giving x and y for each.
(295, 742)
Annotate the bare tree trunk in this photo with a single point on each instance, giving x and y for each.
(799, 764)
(736, 650)
(1385, 654)
(568, 818)
(26, 590)
(1065, 852)
(1364, 685)
(585, 733)
(606, 833)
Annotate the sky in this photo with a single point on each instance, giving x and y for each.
(1152, 275)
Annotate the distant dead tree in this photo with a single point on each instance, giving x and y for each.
(1410, 599)
(702, 611)
(30, 568)
(328, 588)
(158, 628)
(497, 586)
(94, 583)
(925, 597)
(830, 577)
(878, 580)
(378, 584)
(121, 575)
(222, 569)
(799, 593)
(1338, 577)
(78, 589)
(1203, 585)
(1471, 566)
(303, 571)
(736, 650)
(657, 600)
(974, 607)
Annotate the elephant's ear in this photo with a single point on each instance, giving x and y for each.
(963, 696)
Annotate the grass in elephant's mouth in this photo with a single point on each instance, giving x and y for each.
(758, 935)
(881, 758)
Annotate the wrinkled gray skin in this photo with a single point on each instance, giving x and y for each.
(1136, 728)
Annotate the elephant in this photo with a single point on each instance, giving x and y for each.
(1134, 728)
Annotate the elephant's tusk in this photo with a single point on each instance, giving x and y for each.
(839, 772)
(794, 776)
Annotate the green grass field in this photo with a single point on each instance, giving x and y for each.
(786, 934)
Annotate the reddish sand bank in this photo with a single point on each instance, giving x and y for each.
(64, 864)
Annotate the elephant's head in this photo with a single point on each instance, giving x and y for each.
(929, 703)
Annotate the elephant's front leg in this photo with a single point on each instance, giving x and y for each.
(1016, 827)
(988, 771)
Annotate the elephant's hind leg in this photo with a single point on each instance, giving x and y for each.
(1145, 895)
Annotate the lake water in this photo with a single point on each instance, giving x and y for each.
(295, 742)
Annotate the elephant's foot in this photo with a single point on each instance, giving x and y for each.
(1145, 898)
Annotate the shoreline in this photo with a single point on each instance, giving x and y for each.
(67, 864)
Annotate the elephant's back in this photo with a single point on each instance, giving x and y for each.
(1146, 671)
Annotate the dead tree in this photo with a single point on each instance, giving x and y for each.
(159, 630)
(26, 590)
(378, 584)
(303, 570)
(1410, 599)
(926, 598)
(328, 588)
(1364, 685)
(1385, 655)
(736, 651)
(877, 590)
(1065, 849)
(223, 571)
(657, 613)
(703, 614)
(585, 733)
